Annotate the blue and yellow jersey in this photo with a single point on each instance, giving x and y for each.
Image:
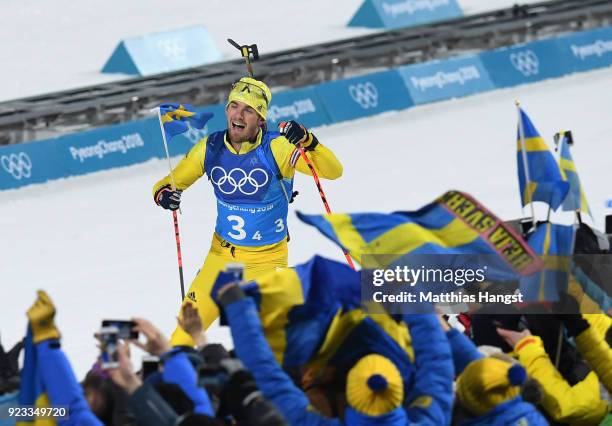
(251, 204)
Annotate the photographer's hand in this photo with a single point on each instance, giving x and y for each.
(225, 288)
(191, 322)
(124, 376)
(156, 344)
(513, 337)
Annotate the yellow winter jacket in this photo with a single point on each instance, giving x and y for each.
(191, 168)
(580, 404)
(596, 351)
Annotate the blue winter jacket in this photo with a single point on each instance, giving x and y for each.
(62, 386)
(510, 413)
(464, 350)
(178, 370)
(429, 403)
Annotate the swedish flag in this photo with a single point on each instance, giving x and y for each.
(575, 199)
(312, 310)
(31, 390)
(541, 180)
(174, 118)
(454, 224)
(554, 243)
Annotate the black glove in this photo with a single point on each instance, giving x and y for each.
(567, 310)
(167, 198)
(298, 135)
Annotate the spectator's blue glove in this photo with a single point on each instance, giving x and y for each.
(298, 135)
(167, 198)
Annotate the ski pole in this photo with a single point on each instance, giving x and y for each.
(315, 176)
(246, 51)
(174, 215)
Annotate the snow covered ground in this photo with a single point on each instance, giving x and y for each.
(50, 46)
(102, 249)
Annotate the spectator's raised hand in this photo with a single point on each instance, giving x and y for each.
(156, 343)
(124, 376)
(512, 337)
(191, 322)
(41, 315)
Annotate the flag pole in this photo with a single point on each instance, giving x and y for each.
(174, 215)
(525, 165)
(560, 138)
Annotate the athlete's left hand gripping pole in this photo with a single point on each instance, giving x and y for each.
(174, 215)
(315, 176)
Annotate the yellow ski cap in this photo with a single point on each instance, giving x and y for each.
(254, 93)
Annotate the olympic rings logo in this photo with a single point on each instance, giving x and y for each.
(173, 49)
(526, 62)
(18, 165)
(238, 180)
(365, 94)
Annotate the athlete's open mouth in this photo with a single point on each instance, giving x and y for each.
(236, 125)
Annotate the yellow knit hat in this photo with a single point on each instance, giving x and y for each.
(488, 382)
(374, 386)
(252, 92)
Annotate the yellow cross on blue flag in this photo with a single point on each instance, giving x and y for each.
(554, 244)
(454, 224)
(576, 199)
(176, 117)
(541, 180)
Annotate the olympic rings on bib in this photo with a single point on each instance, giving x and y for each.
(238, 180)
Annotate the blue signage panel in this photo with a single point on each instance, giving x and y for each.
(27, 163)
(163, 52)
(364, 96)
(452, 78)
(587, 50)
(105, 148)
(403, 13)
(302, 105)
(79, 153)
(525, 63)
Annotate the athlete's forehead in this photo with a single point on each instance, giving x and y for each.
(241, 105)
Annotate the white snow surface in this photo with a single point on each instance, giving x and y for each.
(50, 46)
(102, 249)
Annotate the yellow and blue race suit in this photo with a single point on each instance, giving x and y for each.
(252, 206)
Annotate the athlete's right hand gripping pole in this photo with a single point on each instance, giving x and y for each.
(315, 176)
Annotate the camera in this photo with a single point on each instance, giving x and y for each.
(124, 327)
(236, 270)
(109, 336)
(150, 365)
(237, 394)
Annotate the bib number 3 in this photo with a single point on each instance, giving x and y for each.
(240, 234)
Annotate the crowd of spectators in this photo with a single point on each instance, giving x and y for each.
(529, 365)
